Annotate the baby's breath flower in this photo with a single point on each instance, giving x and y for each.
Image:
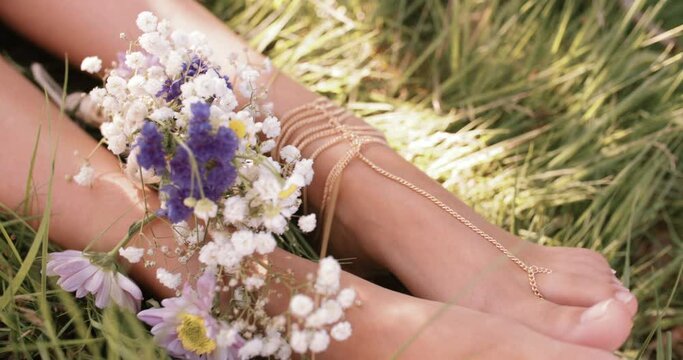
(243, 242)
(174, 64)
(319, 341)
(316, 319)
(307, 223)
(304, 167)
(132, 254)
(136, 86)
(85, 176)
(135, 60)
(154, 43)
(116, 86)
(205, 209)
(180, 39)
(272, 343)
(251, 348)
(289, 153)
(271, 127)
(146, 21)
(254, 282)
(164, 27)
(97, 94)
(91, 64)
(267, 146)
(235, 210)
(332, 311)
(327, 281)
(346, 297)
(301, 305)
(265, 243)
(168, 279)
(299, 341)
(341, 331)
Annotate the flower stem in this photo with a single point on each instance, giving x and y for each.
(132, 230)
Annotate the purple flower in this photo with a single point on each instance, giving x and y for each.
(171, 88)
(200, 111)
(151, 155)
(227, 81)
(77, 273)
(213, 154)
(196, 67)
(185, 327)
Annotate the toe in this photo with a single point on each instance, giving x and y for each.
(581, 261)
(528, 344)
(580, 290)
(590, 258)
(625, 296)
(579, 267)
(605, 325)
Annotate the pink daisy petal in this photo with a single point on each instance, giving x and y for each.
(129, 286)
(152, 316)
(66, 254)
(115, 293)
(70, 267)
(102, 293)
(76, 281)
(94, 282)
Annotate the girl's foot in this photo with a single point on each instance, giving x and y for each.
(439, 258)
(388, 325)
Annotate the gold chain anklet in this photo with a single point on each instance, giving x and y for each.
(322, 119)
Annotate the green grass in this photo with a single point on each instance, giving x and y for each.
(559, 120)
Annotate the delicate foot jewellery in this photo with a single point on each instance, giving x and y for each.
(322, 119)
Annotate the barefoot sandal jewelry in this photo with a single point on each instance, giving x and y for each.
(323, 120)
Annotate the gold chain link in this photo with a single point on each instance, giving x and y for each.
(334, 122)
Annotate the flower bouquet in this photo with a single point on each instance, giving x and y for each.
(175, 118)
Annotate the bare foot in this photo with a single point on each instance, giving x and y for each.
(439, 258)
(388, 325)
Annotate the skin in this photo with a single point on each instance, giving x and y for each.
(80, 214)
(435, 257)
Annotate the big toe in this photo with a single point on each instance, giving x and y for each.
(605, 325)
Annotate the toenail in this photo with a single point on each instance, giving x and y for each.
(596, 311)
(620, 288)
(624, 296)
(614, 271)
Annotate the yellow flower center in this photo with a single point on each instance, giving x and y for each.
(192, 334)
(285, 193)
(238, 127)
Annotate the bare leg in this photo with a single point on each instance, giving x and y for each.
(80, 214)
(435, 257)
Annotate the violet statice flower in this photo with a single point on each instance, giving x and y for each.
(171, 88)
(185, 327)
(213, 154)
(151, 154)
(227, 81)
(77, 273)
